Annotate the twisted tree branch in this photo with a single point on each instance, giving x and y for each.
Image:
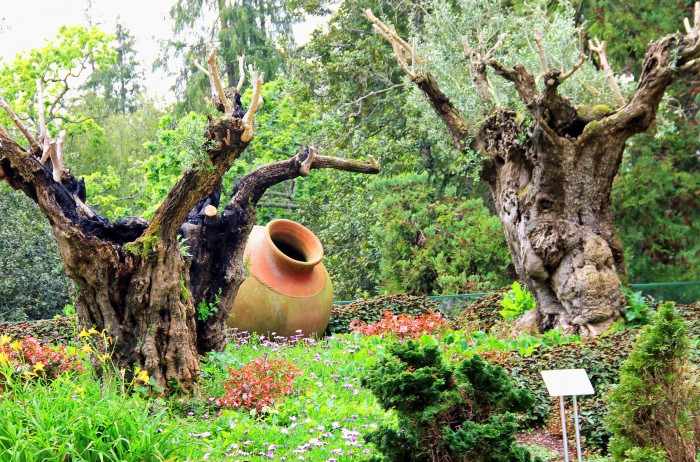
(252, 186)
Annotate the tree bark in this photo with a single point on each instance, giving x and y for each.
(132, 277)
(551, 178)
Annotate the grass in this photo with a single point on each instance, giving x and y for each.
(78, 417)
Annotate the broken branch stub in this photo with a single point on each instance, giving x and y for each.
(310, 156)
(211, 60)
(403, 52)
(33, 143)
(241, 71)
(255, 102)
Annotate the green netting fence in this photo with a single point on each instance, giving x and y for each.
(679, 292)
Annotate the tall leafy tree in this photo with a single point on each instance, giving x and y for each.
(118, 85)
(255, 28)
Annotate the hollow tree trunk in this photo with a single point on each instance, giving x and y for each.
(137, 279)
(552, 195)
(551, 180)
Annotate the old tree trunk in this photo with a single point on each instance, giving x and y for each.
(551, 178)
(131, 276)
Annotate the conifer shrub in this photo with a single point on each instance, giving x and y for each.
(445, 412)
(655, 410)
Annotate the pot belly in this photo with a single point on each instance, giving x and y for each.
(261, 309)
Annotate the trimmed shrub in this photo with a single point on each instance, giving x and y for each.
(372, 310)
(656, 406)
(445, 413)
(61, 330)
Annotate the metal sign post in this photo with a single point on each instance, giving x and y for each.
(568, 382)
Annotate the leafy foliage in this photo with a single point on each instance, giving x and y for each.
(657, 403)
(516, 301)
(372, 310)
(33, 284)
(205, 309)
(260, 383)
(402, 325)
(602, 359)
(118, 84)
(657, 208)
(62, 330)
(60, 64)
(483, 314)
(30, 359)
(461, 413)
(91, 420)
(437, 246)
(639, 308)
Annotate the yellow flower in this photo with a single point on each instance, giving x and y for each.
(39, 366)
(5, 339)
(3, 358)
(84, 334)
(103, 358)
(142, 376)
(93, 331)
(79, 389)
(87, 348)
(16, 346)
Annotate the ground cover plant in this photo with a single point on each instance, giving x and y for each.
(316, 408)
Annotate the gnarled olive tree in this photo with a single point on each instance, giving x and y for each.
(551, 172)
(131, 275)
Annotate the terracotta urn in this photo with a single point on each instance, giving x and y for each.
(287, 288)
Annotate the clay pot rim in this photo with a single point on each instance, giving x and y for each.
(302, 239)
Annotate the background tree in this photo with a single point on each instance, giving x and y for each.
(132, 275)
(551, 166)
(32, 283)
(118, 86)
(259, 29)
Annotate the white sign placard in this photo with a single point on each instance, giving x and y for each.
(567, 382)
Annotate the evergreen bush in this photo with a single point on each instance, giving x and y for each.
(656, 406)
(444, 412)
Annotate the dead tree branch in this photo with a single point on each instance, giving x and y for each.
(212, 85)
(599, 47)
(33, 143)
(477, 66)
(444, 108)
(252, 186)
(524, 81)
(544, 66)
(583, 57)
(403, 52)
(241, 71)
(211, 60)
(255, 102)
